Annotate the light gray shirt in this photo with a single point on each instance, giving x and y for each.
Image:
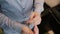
(16, 11)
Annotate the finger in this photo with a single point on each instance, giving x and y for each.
(31, 16)
(36, 30)
(27, 30)
(30, 19)
(34, 19)
(37, 19)
(37, 22)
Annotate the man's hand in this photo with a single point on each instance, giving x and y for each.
(26, 30)
(35, 18)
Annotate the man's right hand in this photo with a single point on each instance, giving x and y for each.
(26, 30)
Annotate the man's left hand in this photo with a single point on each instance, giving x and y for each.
(35, 18)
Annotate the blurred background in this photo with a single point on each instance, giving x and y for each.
(50, 18)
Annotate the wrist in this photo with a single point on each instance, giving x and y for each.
(37, 12)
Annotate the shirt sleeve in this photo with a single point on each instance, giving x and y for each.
(1, 1)
(39, 5)
(10, 23)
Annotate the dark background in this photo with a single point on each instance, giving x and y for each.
(50, 19)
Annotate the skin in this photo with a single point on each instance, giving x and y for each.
(14, 24)
(36, 20)
(26, 30)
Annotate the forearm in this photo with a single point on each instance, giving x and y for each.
(10, 23)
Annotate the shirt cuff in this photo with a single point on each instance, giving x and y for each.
(39, 5)
(39, 10)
